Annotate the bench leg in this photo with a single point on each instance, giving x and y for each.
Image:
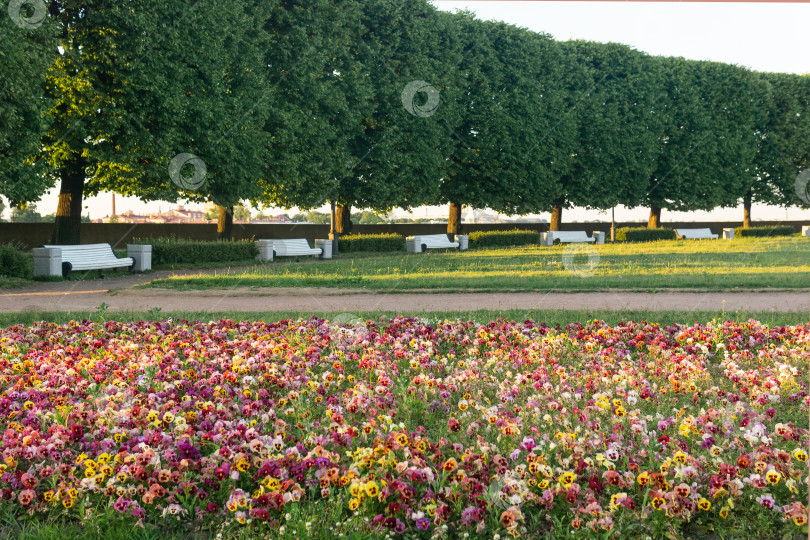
(101, 274)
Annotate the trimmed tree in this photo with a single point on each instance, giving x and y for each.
(614, 99)
(133, 90)
(784, 142)
(27, 51)
(510, 139)
(708, 141)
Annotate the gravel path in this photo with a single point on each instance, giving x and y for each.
(118, 294)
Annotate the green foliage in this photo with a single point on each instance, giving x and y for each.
(785, 135)
(26, 215)
(613, 96)
(506, 149)
(708, 141)
(241, 213)
(133, 90)
(516, 237)
(780, 230)
(318, 217)
(170, 250)
(644, 234)
(371, 242)
(368, 218)
(15, 261)
(25, 55)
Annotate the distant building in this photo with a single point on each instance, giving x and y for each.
(281, 218)
(177, 215)
(181, 215)
(479, 216)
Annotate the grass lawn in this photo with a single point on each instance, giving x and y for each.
(750, 263)
(552, 317)
(14, 282)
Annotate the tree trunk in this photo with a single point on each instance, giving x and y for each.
(747, 209)
(454, 219)
(343, 219)
(556, 218)
(225, 223)
(655, 217)
(67, 225)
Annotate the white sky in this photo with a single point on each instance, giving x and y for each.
(761, 36)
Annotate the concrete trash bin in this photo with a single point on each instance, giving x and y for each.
(728, 233)
(463, 241)
(47, 262)
(599, 236)
(412, 246)
(805, 230)
(265, 248)
(326, 246)
(142, 255)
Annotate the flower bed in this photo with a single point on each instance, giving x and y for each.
(410, 428)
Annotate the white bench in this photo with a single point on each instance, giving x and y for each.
(90, 257)
(696, 234)
(419, 243)
(567, 237)
(292, 247)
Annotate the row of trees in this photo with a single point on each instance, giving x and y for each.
(303, 102)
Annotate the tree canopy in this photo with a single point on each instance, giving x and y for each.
(377, 104)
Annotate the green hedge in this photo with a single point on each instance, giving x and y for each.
(515, 237)
(371, 242)
(15, 261)
(780, 230)
(644, 234)
(170, 250)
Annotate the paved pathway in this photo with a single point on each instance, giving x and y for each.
(118, 294)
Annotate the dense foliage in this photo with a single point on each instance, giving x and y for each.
(170, 250)
(378, 104)
(15, 261)
(639, 234)
(516, 237)
(371, 242)
(785, 230)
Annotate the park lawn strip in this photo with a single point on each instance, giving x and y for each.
(551, 317)
(750, 263)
